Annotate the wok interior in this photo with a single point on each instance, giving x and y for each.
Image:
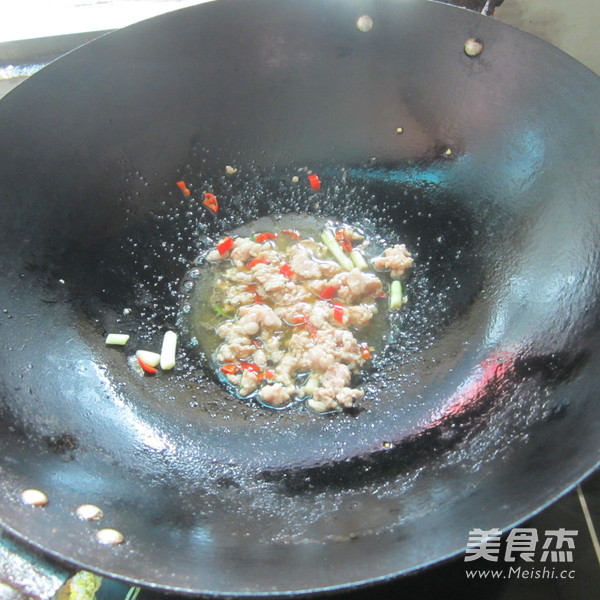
(142, 265)
(140, 268)
(488, 365)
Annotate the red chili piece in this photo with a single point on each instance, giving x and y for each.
(230, 369)
(292, 233)
(247, 366)
(258, 261)
(338, 312)
(211, 202)
(343, 241)
(365, 352)
(147, 368)
(225, 246)
(304, 321)
(257, 297)
(263, 237)
(286, 270)
(328, 293)
(181, 185)
(315, 182)
(268, 374)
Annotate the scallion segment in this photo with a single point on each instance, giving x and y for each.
(332, 245)
(117, 339)
(396, 295)
(168, 351)
(311, 385)
(133, 593)
(150, 358)
(359, 260)
(221, 311)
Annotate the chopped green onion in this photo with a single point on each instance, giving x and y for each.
(117, 339)
(308, 389)
(396, 296)
(133, 592)
(332, 245)
(167, 353)
(359, 260)
(220, 311)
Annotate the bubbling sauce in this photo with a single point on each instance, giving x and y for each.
(289, 315)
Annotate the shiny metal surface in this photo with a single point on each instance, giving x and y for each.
(509, 369)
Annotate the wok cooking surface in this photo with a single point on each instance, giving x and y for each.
(222, 482)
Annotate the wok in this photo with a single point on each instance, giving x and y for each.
(481, 410)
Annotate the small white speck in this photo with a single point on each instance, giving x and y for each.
(295, 179)
(126, 311)
(61, 281)
(230, 170)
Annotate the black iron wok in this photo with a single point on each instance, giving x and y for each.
(481, 410)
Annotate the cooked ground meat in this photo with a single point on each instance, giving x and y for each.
(355, 285)
(276, 394)
(295, 316)
(398, 260)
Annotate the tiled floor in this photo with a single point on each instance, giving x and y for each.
(571, 25)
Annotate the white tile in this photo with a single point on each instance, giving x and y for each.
(26, 19)
(571, 25)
